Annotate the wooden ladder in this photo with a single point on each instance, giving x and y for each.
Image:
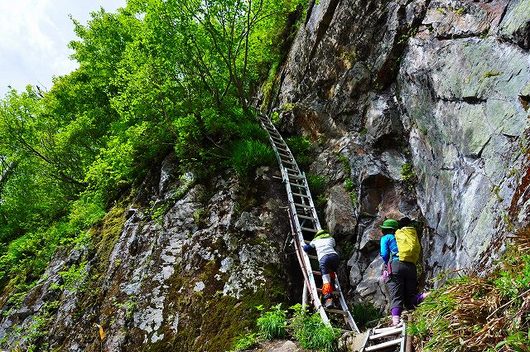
(304, 225)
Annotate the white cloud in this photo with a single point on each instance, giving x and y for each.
(34, 35)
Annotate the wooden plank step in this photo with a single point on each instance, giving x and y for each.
(383, 345)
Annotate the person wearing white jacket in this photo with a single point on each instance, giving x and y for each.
(328, 260)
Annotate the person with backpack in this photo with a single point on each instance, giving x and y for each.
(400, 250)
(328, 260)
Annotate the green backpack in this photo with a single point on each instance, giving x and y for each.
(408, 244)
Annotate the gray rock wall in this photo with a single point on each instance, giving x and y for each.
(181, 267)
(442, 86)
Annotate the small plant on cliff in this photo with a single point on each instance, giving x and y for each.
(408, 176)
(301, 148)
(272, 324)
(311, 332)
(249, 154)
(246, 342)
(364, 313)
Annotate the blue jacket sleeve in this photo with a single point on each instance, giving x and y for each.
(307, 247)
(385, 248)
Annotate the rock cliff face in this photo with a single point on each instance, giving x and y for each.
(423, 106)
(177, 267)
(428, 102)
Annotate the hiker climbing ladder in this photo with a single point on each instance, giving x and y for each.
(304, 225)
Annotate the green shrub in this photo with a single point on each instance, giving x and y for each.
(317, 184)
(272, 324)
(311, 332)
(246, 342)
(408, 176)
(300, 146)
(364, 313)
(247, 155)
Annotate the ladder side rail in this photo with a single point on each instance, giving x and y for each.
(342, 301)
(344, 306)
(403, 337)
(300, 260)
(298, 231)
(307, 267)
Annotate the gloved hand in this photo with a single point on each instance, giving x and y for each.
(385, 276)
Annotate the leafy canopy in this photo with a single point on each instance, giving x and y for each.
(154, 77)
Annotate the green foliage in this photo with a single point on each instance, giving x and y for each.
(153, 77)
(317, 183)
(481, 311)
(300, 146)
(311, 332)
(364, 313)
(349, 185)
(246, 342)
(272, 324)
(248, 154)
(408, 176)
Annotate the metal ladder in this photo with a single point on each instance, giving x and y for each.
(304, 225)
(386, 339)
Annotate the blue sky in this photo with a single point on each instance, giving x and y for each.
(34, 35)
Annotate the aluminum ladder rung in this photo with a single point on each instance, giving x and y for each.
(313, 257)
(308, 229)
(306, 217)
(301, 195)
(387, 333)
(316, 272)
(303, 206)
(336, 311)
(383, 345)
(389, 328)
(296, 176)
(285, 155)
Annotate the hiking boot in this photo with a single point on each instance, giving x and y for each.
(329, 303)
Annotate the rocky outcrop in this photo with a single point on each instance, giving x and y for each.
(428, 102)
(180, 267)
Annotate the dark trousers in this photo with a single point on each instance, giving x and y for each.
(329, 263)
(403, 285)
